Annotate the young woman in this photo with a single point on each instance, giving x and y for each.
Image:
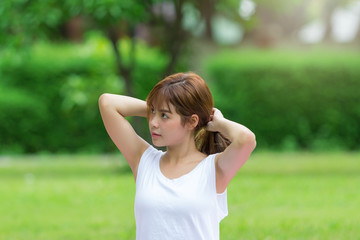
(180, 193)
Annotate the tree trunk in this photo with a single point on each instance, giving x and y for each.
(124, 71)
(294, 20)
(207, 10)
(357, 36)
(329, 8)
(75, 29)
(176, 39)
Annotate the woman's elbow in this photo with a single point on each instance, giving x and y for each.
(251, 140)
(247, 139)
(104, 100)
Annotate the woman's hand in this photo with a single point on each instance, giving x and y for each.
(215, 118)
(235, 155)
(233, 131)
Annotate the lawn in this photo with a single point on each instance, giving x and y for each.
(274, 196)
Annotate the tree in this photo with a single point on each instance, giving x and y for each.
(207, 11)
(328, 11)
(170, 35)
(276, 20)
(24, 21)
(329, 7)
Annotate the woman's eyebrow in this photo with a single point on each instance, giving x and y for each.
(165, 110)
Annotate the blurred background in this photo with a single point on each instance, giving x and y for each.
(288, 70)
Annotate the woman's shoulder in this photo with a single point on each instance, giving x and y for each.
(151, 153)
(149, 160)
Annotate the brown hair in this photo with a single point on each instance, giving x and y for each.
(189, 94)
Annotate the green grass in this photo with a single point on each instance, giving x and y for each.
(274, 196)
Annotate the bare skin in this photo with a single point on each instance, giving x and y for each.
(167, 130)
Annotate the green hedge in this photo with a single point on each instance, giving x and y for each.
(49, 94)
(17, 133)
(291, 100)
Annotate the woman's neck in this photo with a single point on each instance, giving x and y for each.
(181, 152)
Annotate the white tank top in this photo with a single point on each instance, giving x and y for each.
(186, 208)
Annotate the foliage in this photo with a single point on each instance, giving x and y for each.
(25, 22)
(22, 21)
(51, 92)
(274, 196)
(16, 108)
(291, 100)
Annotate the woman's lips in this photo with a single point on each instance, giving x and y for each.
(155, 135)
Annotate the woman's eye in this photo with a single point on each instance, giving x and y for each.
(152, 111)
(164, 116)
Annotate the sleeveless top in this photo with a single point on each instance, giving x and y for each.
(186, 208)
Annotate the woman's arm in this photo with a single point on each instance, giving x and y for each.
(114, 109)
(235, 155)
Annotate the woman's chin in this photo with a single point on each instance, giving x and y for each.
(157, 144)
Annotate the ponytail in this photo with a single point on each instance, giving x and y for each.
(210, 142)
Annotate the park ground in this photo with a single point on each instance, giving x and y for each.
(276, 195)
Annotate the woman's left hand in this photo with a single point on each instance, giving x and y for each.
(215, 118)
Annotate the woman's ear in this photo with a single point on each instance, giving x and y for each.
(193, 122)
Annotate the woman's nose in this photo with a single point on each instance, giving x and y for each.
(153, 122)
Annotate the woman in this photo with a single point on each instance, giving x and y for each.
(180, 193)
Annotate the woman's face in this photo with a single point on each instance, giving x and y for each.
(166, 127)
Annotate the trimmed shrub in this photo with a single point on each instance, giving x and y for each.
(18, 134)
(291, 100)
(50, 99)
